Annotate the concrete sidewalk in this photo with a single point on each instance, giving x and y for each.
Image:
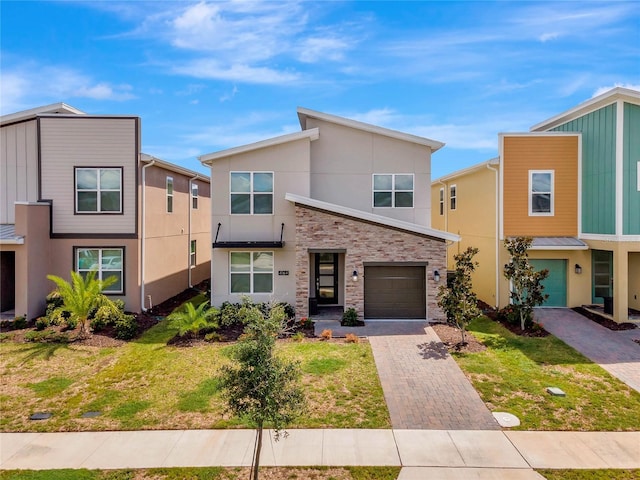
(455, 454)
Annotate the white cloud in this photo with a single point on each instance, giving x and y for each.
(54, 84)
(229, 96)
(212, 69)
(602, 90)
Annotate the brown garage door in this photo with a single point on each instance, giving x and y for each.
(394, 292)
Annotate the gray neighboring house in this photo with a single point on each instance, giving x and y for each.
(336, 215)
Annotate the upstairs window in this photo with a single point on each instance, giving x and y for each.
(251, 272)
(393, 190)
(169, 194)
(98, 190)
(442, 201)
(251, 193)
(106, 262)
(540, 192)
(194, 196)
(192, 254)
(453, 197)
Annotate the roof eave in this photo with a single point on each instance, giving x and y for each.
(466, 171)
(60, 107)
(146, 158)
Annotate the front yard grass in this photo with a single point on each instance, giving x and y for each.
(146, 384)
(209, 473)
(513, 373)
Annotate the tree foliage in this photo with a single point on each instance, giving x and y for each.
(457, 300)
(259, 385)
(191, 320)
(527, 290)
(81, 296)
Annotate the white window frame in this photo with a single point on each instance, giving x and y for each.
(170, 197)
(393, 190)
(193, 249)
(441, 201)
(638, 174)
(98, 190)
(251, 192)
(100, 272)
(251, 272)
(551, 193)
(453, 197)
(194, 196)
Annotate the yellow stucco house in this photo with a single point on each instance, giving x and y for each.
(573, 184)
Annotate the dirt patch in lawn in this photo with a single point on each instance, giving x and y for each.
(451, 338)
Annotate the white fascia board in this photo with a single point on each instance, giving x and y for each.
(607, 98)
(145, 158)
(465, 171)
(303, 113)
(59, 108)
(567, 247)
(371, 217)
(312, 134)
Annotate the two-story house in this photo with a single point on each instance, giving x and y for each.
(573, 184)
(337, 214)
(77, 194)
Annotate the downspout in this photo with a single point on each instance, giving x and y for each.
(189, 228)
(143, 232)
(497, 305)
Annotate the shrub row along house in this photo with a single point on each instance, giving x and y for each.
(573, 184)
(77, 193)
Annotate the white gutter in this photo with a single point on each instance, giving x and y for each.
(497, 302)
(143, 233)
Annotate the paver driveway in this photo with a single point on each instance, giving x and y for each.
(424, 387)
(614, 351)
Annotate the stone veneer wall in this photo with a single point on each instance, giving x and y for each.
(364, 242)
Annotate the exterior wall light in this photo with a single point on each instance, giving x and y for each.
(578, 269)
(354, 276)
(436, 275)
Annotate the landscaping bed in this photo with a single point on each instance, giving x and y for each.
(605, 322)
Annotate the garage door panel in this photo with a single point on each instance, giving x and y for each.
(555, 285)
(395, 292)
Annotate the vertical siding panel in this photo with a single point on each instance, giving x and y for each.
(631, 157)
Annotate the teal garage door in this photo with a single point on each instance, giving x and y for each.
(555, 285)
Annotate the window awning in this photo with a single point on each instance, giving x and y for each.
(245, 244)
(558, 243)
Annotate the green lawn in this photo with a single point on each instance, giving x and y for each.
(513, 373)
(149, 385)
(590, 474)
(209, 473)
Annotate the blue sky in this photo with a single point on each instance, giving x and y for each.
(205, 76)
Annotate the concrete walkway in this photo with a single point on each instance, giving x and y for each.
(423, 386)
(614, 351)
(455, 454)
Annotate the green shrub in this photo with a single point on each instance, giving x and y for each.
(228, 314)
(350, 318)
(214, 337)
(126, 327)
(103, 317)
(42, 323)
(54, 300)
(70, 323)
(20, 322)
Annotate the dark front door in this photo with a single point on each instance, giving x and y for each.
(327, 278)
(7, 281)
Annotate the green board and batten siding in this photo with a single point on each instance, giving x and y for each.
(631, 167)
(598, 168)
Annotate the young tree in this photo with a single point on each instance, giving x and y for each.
(526, 283)
(191, 319)
(261, 386)
(83, 295)
(458, 301)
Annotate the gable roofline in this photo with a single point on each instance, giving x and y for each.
(465, 171)
(54, 108)
(312, 134)
(147, 159)
(304, 113)
(371, 217)
(618, 93)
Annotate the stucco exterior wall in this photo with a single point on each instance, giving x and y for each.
(18, 167)
(519, 155)
(67, 143)
(364, 242)
(344, 159)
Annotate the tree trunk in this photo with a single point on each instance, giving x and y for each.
(522, 319)
(256, 460)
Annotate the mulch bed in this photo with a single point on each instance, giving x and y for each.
(605, 322)
(451, 338)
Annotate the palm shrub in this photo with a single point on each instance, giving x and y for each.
(81, 297)
(191, 320)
